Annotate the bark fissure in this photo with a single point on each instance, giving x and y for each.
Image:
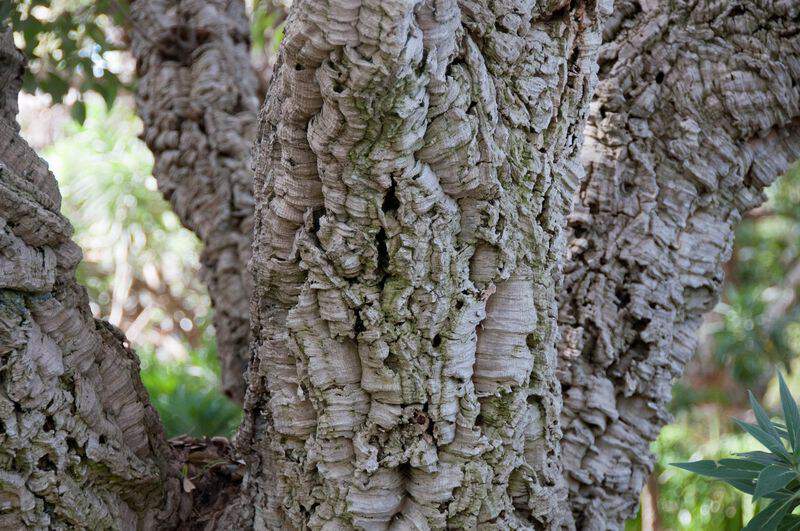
(414, 167)
(696, 112)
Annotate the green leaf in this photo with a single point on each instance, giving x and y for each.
(714, 470)
(5, 11)
(761, 416)
(770, 441)
(107, 86)
(78, 112)
(746, 486)
(781, 429)
(771, 479)
(790, 522)
(55, 86)
(743, 464)
(791, 415)
(763, 458)
(771, 516)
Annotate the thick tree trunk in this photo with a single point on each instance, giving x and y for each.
(415, 164)
(197, 99)
(696, 112)
(80, 445)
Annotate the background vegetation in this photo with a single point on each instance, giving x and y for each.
(140, 266)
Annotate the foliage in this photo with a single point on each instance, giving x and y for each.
(772, 476)
(266, 26)
(687, 501)
(186, 392)
(82, 45)
(70, 44)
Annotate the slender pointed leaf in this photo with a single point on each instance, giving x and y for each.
(761, 416)
(773, 478)
(746, 486)
(743, 464)
(771, 442)
(769, 517)
(781, 429)
(714, 470)
(791, 415)
(763, 458)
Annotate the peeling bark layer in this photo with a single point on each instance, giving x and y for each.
(415, 163)
(197, 99)
(80, 444)
(696, 112)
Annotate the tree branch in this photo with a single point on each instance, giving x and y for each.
(80, 444)
(696, 112)
(197, 99)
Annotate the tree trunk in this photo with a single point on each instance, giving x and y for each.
(80, 445)
(696, 112)
(197, 99)
(414, 166)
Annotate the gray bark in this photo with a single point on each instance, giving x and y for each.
(696, 112)
(197, 99)
(80, 445)
(414, 166)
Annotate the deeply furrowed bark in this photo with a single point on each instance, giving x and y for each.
(80, 445)
(696, 112)
(197, 99)
(415, 164)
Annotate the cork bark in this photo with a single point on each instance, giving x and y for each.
(414, 166)
(197, 98)
(695, 114)
(80, 445)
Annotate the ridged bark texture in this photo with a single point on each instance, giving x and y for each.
(415, 164)
(696, 112)
(80, 445)
(197, 99)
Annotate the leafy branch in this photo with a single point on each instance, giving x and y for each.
(772, 475)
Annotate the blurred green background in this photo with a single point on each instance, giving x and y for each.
(141, 266)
